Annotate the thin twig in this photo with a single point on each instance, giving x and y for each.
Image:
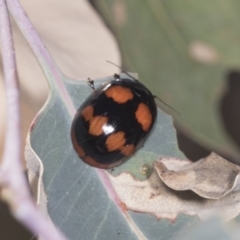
(46, 62)
(14, 187)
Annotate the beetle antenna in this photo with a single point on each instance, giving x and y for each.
(123, 71)
(160, 100)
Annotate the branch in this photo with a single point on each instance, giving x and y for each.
(46, 62)
(14, 186)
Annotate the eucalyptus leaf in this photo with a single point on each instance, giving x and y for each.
(183, 51)
(80, 198)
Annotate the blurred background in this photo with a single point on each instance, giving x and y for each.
(187, 53)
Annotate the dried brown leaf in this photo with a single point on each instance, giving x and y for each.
(213, 177)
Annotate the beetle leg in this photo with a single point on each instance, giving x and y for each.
(91, 84)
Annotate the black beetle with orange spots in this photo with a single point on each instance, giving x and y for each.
(113, 122)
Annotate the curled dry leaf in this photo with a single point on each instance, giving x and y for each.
(35, 173)
(211, 177)
(153, 196)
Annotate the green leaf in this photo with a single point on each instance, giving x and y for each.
(81, 201)
(183, 51)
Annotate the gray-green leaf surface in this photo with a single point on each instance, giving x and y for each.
(80, 201)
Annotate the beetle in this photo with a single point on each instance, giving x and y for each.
(113, 122)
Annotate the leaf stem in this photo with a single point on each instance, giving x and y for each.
(14, 187)
(53, 75)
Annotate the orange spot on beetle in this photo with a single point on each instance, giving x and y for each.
(87, 113)
(96, 125)
(115, 141)
(90, 161)
(144, 116)
(119, 94)
(76, 146)
(128, 150)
